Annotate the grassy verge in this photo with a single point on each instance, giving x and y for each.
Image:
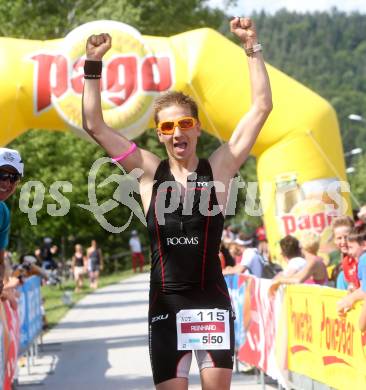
(53, 302)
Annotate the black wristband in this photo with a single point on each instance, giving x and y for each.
(92, 69)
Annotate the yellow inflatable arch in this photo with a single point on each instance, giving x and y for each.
(299, 152)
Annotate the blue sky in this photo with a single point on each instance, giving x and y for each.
(246, 7)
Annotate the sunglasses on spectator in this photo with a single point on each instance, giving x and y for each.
(12, 177)
(184, 123)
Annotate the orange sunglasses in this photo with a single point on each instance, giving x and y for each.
(184, 123)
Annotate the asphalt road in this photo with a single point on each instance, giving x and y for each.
(102, 344)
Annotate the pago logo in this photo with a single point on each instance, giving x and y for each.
(131, 78)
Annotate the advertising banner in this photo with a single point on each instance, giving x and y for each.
(237, 286)
(11, 343)
(29, 309)
(2, 353)
(257, 319)
(322, 345)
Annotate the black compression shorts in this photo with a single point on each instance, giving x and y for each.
(166, 361)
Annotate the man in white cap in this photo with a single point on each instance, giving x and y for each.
(11, 171)
(136, 251)
(251, 260)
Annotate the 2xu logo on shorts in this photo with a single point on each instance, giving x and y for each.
(182, 241)
(161, 317)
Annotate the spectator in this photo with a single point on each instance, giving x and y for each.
(347, 278)
(136, 251)
(228, 235)
(234, 250)
(11, 171)
(225, 257)
(251, 260)
(262, 243)
(47, 252)
(260, 233)
(28, 267)
(79, 267)
(95, 263)
(314, 272)
(291, 251)
(11, 282)
(357, 249)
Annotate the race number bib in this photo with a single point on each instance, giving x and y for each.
(203, 329)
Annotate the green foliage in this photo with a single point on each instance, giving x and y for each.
(327, 53)
(358, 182)
(47, 19)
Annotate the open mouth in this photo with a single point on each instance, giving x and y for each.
(180, 146)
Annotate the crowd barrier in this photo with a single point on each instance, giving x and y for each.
(30, 313)
(298, 332)
(19, 329)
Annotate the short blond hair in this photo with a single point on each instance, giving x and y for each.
(344, 220)
(310, 242)
(174, 98)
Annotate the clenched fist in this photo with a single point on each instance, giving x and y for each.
(244, 29)
(97, 46)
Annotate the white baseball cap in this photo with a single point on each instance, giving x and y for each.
(241, 242)
(11, 158)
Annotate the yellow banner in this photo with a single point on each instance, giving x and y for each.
(321, 345)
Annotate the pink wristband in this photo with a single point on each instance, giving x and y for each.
(130, 150)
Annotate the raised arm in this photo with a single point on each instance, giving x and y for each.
(114, 144)
(228, 158)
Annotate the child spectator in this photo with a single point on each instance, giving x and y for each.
(347, 279)
(356, 249)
